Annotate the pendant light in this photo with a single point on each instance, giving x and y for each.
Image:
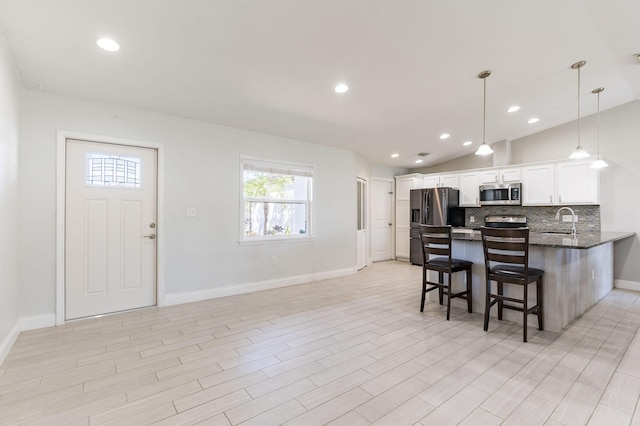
(599, 163)
(579, 151)
(484, 149)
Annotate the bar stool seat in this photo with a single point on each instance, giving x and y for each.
(506, 257)
(436, 241)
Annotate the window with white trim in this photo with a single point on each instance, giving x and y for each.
(277, 200)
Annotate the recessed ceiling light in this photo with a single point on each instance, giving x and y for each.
(533, 120)
(467, 143)
(395, 155)
(513, 108)
(418, 161)
(341, 88)
(108, 44)
(445, 136)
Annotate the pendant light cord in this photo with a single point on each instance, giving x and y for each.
(579, 144)
(598, 135)
(484, 113)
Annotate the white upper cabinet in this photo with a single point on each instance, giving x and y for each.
(405, 183)
(450, 180)
(570, 182)
(489, 176)
(500, 176)
(469, 192)
(431, 181)
(577, 182)
(539, 185)
(510, 175)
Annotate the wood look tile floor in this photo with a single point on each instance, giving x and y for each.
(347, 351)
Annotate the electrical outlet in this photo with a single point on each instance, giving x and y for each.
(472, 219)
(192, 212)
(568, 218)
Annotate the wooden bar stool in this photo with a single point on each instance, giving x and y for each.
(436, 241)
(506, 258)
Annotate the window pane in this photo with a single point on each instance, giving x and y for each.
(112, 170)
(267, 219)
(275, 186)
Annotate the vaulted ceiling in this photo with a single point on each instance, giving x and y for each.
(271, 65)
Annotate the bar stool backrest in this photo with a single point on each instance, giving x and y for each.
(508, 246)
(436, 241)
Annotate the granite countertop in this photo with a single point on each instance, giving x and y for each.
(582, 241)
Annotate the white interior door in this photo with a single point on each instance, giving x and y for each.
(110, 228)
(362, 258)
(381, 223)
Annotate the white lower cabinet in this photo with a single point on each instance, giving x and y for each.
(402, 229)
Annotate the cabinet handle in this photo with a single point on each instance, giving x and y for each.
(551, 198)
(476, 200)
(559, 199)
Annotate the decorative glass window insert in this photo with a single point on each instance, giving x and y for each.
(109, 170)
(276, 200)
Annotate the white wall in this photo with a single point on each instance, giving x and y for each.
(9, 199)
(202, 171)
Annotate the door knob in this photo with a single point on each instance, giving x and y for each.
(151, 237)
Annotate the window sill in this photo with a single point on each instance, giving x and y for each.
(277, 240)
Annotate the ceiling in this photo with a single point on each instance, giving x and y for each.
(271, 66)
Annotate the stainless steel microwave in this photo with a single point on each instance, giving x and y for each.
(501, 194)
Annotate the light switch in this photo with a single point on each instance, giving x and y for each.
(192, 212)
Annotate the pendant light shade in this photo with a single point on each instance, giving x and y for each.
(579, 152)
(599, 163)
(484, 149)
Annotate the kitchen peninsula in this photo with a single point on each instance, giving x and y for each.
(578, 272)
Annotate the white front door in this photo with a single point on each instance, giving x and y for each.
(381, 208)
(361, 244)
(110, 228)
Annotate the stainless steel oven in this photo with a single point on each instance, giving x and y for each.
(501, 194)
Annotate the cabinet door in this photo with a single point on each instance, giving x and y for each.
(489, 176)
(402, 243)
(403, 214)
(510, 175)
(469, 192)
(577, 183)
(403, 187)
(538, 185)
(450, 181)
(431, 181)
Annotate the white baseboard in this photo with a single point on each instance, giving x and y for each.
(7, 343)
(37, 321)
(627, 285)
(24, 324)
(196, 296)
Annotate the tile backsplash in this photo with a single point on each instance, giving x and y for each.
(539, 218)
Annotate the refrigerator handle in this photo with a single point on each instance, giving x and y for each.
(425, 207)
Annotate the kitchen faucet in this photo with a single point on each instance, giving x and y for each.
(573, 219)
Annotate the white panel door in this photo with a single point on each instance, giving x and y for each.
(381, 208)
(361, 244)
(110, 228)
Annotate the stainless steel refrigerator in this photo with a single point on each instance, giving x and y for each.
(432, 206)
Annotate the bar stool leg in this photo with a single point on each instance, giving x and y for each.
(424, 288)
(500, 302)
(448, 295)
(468, 282)
(540, 298)
(440, 290)
(487, 306)
(525, 314)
